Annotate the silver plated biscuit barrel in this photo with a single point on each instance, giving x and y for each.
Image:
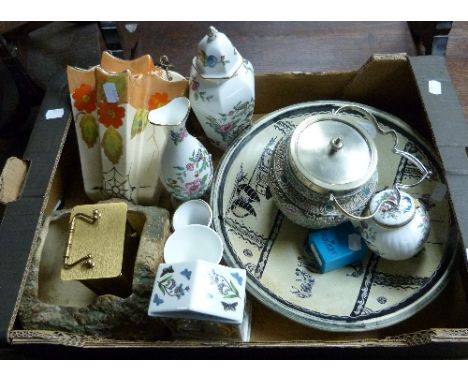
(325, 171)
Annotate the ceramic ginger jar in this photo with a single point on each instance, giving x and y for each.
(221, 89)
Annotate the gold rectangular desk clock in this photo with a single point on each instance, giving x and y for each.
(96, 249)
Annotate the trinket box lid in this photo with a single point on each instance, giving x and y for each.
(199, 290)
(330, 153)
(390, 215)
(217, 58)
(97, 234)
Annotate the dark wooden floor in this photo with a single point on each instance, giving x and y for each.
(281, 46)
(270, 46)
(303, 46)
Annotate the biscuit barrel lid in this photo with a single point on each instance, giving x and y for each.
(329, 153)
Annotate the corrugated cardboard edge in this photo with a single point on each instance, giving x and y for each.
(420, 338)
(12, 179)
(374, 84)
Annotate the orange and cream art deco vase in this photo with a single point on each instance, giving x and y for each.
(120, 151)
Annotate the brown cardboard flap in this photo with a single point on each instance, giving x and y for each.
(386, 82)
(374, 79)
(275, 91)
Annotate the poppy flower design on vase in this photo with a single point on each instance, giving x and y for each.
(157, 100)
(84, 98)
(82, 85)
(111, 114)
(84, 102)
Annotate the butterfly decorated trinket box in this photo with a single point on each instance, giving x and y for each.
(199, 290)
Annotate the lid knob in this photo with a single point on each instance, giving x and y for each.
(212, 33)
(165, 65)
(336, 144)
(393, 214)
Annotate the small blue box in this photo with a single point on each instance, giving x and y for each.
(332, 248)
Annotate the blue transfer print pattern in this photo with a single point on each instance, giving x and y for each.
(229, 306)
(306, 281)
(169, 287)
(238, 277)
(157, 300)
(186, 273)
(382, 300)
(225, 287)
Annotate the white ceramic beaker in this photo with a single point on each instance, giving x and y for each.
(194, 211)
(193, 242)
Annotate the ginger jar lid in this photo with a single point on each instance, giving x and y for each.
(217, 58)
(329, 153)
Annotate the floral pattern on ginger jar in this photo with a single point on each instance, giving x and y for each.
(221, 89)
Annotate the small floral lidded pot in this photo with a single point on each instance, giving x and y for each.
(222, 89)
(397, 231)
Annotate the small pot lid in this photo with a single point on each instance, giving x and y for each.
(217, 57)
(331, 153)
(390, 215)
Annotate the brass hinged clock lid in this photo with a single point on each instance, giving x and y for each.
(95, 246)
(330, 153)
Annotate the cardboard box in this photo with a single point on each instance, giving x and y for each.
(397, 84)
